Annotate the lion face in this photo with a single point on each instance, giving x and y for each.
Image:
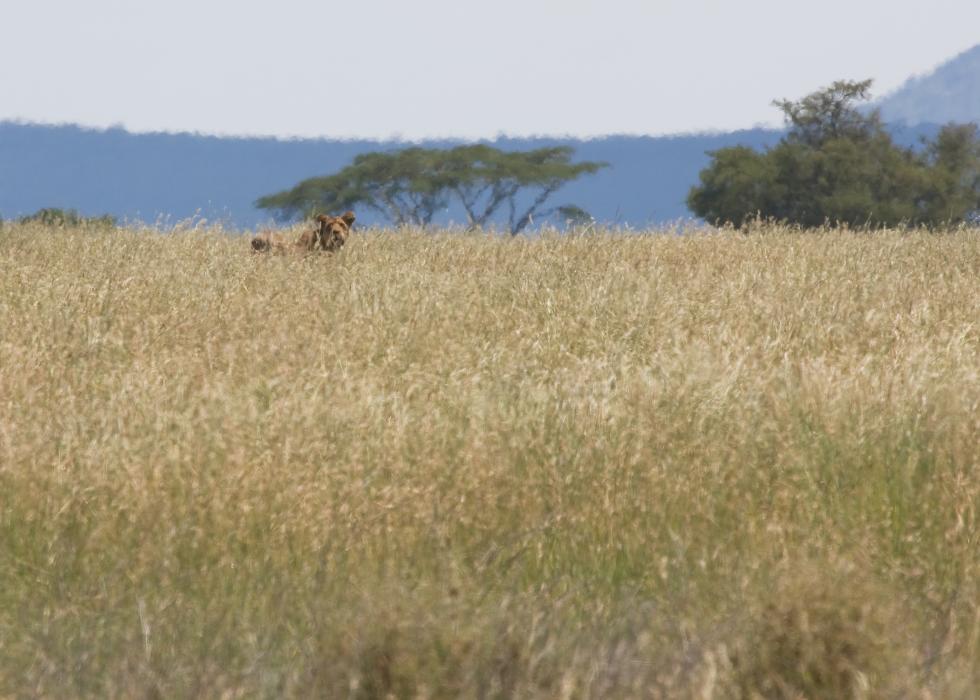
(332, 231)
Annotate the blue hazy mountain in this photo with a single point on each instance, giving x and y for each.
(950, 93)
(170, 177)
(148, 176)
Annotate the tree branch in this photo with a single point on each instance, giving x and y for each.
(525, 219)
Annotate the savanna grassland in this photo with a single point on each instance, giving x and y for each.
(703, 464)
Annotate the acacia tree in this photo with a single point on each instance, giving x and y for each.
(544, 172)
(485, 180)
(399, 186)
(839, 163)
(480, 178)
(409, 186)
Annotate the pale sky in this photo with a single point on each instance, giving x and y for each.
(438, 68)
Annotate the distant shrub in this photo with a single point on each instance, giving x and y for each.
(51, 216)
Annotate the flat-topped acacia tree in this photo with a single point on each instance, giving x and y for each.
(410, 185)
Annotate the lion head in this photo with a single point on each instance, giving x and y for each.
(332, 231)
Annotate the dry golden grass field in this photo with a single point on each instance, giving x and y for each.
(702, 464)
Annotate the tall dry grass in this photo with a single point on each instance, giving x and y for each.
(708, 465)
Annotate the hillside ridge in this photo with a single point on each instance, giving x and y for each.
(948, 93)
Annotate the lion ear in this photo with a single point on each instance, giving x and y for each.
(348, 217)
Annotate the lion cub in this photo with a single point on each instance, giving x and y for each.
(329, 234)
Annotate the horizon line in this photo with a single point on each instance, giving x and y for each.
(393, 138)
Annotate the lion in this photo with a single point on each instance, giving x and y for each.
(329, 234)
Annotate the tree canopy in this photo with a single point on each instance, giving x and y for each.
(409, 186)
(838, 163)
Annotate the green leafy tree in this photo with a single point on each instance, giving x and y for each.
(845, 180)
(399, 186)
(954, 188)
(740, 184)
(543, 171)
(830, 114)
(838, 163)
(409, 186)
(481, 179)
